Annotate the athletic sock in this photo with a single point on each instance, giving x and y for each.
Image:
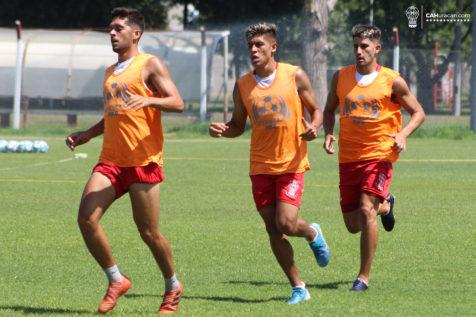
(171, 283)
(113, 274)
(302, 285)
(317, 234)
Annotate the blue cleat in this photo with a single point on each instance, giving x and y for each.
(359, 285)
(388, 220)
(298, 295)
(319, 247)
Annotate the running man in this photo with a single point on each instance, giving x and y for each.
(136, 90)
(369, 98)
(272, 96)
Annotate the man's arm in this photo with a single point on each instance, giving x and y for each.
(236, 126)
(329, 115)
(155, 73)
(417, 115)
(81, 137)
(308, 98)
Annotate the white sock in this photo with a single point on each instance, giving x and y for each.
(113, 274)
(317, 234)
(171, 283)
(302, 285)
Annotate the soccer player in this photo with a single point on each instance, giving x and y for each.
(136, 90)
(369, 98)
(273, 96)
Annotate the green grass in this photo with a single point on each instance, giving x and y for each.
(426, 267)
(188, 125)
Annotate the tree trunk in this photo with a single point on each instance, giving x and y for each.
(425, 80)
(315, 49)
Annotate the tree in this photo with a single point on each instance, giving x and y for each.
(315, 45)
(72, 14)
(416, 44)
(237, 15)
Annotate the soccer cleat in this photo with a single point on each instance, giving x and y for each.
(298, 295)
(171, 300)
(114, 291)
(359, 285)
(319, 247)
(388, 220)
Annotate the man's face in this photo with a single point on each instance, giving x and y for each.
(123, 35)
(261, 49)
(365, 50)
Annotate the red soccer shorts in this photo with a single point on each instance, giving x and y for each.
(372, 177)
(268, 189)
(123, 177)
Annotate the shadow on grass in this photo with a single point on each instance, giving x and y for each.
(42, 310)
(132, 295)
(233, 299)
(334, 285)
(236, 299)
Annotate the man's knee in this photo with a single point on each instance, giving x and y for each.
(286, 226)
(149, 235)
(353, 228)
(368, 214)
(86, 220)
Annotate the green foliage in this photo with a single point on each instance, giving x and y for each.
(73, 14)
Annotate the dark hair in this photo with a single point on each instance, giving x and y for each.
(261, 29)
(370, 32)
(134, 17)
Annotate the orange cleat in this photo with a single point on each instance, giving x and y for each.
(114, 291)
(171, 300)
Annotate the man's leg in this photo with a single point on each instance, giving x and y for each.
(364, 220)
(288, 222)
(145, 200)
(282, 249)
(98, 195)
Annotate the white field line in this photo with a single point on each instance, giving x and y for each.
(233, 159)
(37, 164)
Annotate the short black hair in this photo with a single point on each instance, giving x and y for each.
(134, 17)
(370, 32)
(261, 29)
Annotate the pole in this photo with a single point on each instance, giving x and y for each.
(203, 77)
(473, 76)
(435, 72)
(18, 79)
(225, 77)
(371, 14)
(396, 50)
(457, 80)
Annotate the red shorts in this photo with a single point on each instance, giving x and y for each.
(268, 189)
(371, 177)
(123, 177)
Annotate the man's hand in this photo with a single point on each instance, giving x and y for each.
(328, 144)
(136, 102)
(400, 142)
(310, 133)
(216, 129)
(77, 138)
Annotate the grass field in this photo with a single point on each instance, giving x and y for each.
(426, 267)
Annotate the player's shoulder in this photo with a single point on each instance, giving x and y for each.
(154, 64)
(244, 78)
(345, 70)
(389, 73)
